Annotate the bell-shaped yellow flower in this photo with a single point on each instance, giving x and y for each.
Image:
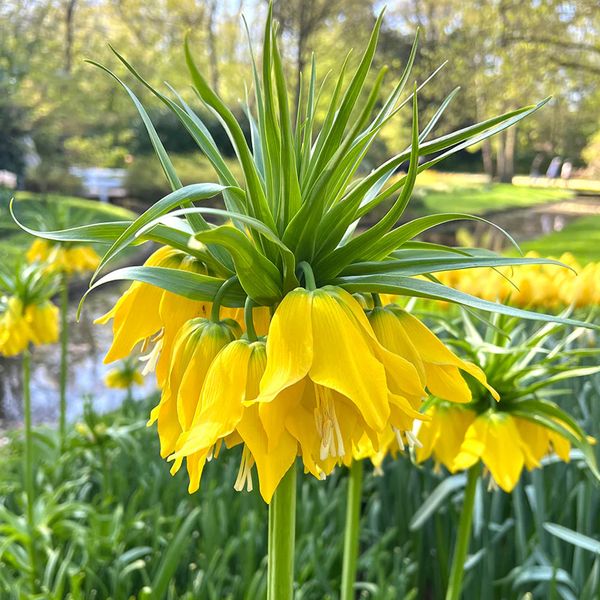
(122, 378)
(43, 322)
(59, 258)
(493, 438)
(143, 310)
(442, 436)
(541, 441)
(195, 346)
(15, 333)
(328, 380)
(223, 415)
(439, 368)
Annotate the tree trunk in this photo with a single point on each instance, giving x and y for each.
(69, 17)
(510, 141)
(499, 142)
(488, 160)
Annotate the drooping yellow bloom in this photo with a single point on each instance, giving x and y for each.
(458, 438)
(328, 380)
(223, 415)
(36, 323)
(144, 311)
(541, 441)
(59, 258)
(43, 322)
(195, 346)
(15, 333)
(438, 367)
(443, 435)
(123, 377)
(494, 439)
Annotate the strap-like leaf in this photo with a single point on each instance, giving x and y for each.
(194, 286)
(197, 191)
(418, 288)
(418, 263)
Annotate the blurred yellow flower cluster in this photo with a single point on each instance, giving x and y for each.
(60, 258)
(22, 324)
(539, 286)
(328, 376)
(458, 438)
(123, 377)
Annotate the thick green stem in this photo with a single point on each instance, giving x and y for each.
(282, 533)
(249, 320)
(352, 530)
(28, 464)
(64, 342)
(216, 305)
(309, 276)
(464, 535)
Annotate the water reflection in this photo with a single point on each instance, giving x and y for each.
(87, 345)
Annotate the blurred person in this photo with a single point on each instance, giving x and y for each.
(534, 172)
(553, 170)
(566, 171)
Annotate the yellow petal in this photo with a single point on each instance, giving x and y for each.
(289, 344)
(221, 400)
(343, 361)
(271, 463)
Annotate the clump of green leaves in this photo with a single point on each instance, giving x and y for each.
(300, 198)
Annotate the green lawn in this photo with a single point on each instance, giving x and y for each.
(480, 198)
(581, 237)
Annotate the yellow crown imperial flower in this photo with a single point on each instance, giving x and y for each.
(60, 258)
(21, 324)
(328, 380)
(443, 435)
(43, 322)
(541, 441)
(493, 438)
(15, 332)
(143, 310)
(122, 378)
(439, 368)
(223, 414)
(196, 345)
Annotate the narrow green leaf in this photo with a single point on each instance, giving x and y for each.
(436, 499)
(198, 191)
(172, 557)
(408, 286)
(188, 284)
(573, 537)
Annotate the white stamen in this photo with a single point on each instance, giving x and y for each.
(151, 359)
(245, 472)
(399, 438)
(413, 440)
(332, 442)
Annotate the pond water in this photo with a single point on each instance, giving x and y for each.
(522, 223)
(88, 344)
